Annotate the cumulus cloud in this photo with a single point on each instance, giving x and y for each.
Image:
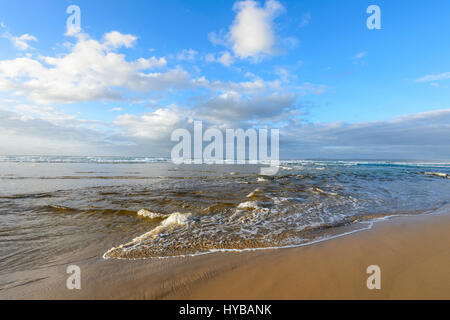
(116, 39)
(157, 125)
(92, 70)
(252, 33)
(98, 70)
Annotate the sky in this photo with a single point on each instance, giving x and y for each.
(137, 70)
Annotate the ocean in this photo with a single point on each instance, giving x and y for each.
(149, 208)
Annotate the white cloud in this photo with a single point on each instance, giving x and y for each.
(284, 74)
(187, 54)
(157, 125)
(218, 39)
(224, 58)
(91, 71)
(21, 42)
(117, 109)
(47, 113)
(434, 77)
(116, 39)
(252, 33)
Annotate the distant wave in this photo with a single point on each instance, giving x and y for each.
(67, 159)
(378, 163)
(284, 164)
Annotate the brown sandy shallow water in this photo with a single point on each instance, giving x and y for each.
(413, 253)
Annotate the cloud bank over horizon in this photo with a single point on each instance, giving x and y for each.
(112, 95)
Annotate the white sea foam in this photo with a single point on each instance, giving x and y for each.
(150, 214)
(173, 220)
(176, 218)
(254, 193)
(285, 168)
(248, 205)
(438, 174)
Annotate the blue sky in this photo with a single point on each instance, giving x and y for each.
(311, 68)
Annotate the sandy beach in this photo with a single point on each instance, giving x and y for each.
(413, 254)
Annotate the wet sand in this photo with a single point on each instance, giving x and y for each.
(412, 252)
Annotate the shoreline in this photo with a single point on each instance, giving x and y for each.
(413, 253)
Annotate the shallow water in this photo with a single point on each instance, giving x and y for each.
(51, 207)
